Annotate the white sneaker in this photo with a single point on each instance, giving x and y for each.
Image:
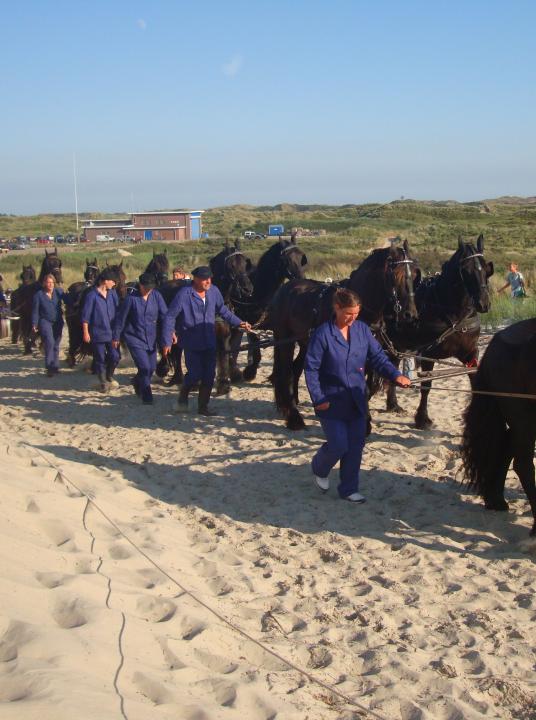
(321, 483)
(355, 498)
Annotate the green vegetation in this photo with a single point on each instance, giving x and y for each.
(352, 231)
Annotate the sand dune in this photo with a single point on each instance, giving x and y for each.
(418, 604)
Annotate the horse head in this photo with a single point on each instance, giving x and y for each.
(91, 272)
(231, 269)
(120, 279)
(28, 275)
(474, 272)
(401, 275)
(159, 267)
(292, 260)
(51, 266)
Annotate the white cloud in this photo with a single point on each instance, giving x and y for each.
(232, 67)
(140, 22)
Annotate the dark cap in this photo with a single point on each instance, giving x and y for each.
(202, 272)
(107, 274)
(148, 280)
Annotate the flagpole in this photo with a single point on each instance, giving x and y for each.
(75, 198)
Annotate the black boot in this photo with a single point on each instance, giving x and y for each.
(203, 400)
(103, 385)
(182, 402)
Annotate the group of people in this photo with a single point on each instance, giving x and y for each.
(143, 322)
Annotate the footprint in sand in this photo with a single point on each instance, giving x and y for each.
(14, 689)
(206, 568)
(172, 661)
(119, 552)
(219, 586)
(51, 580)
(152, 689)
(155, 609)
(32, 506)
(223, 692)
(215, 663)
(190, 627)
(69, 614)
(59, 534)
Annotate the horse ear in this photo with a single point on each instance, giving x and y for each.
(293, 238)
(489, 269)
(480, 243)
(237, 245)
(107, 263)
(249, 265)
(417, 278)
(461, 246)
(405, 245)
(121, 264)
(304, 259)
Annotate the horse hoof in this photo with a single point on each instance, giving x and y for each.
(396, 409)
(295, 421)
(236, 376)
(498, 504)
(219, 391)
(249, 374)
(423, 423)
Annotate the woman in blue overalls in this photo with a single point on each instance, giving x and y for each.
(137, 321)
(335, 376)
(98, 315)
(47, 318)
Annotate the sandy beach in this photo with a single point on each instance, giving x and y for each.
(417, 605)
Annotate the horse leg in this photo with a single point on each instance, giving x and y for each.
(223, 354)
(422, 419)
(390, 395)
(15, 331)
(497, 469)
(297, 369)
(523, 439)
(283, 380)
(254, 357)
(234, 345)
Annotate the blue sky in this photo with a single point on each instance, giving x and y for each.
(183, 104)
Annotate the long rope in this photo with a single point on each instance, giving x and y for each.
(326, 686)
(519, 396)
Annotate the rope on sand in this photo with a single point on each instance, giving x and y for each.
(309, 676)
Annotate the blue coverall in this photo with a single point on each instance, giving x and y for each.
(99, 313)
(48, 318)
(137, 322)
(195, 321)
(335, 373)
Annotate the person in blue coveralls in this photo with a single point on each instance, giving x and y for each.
(335, 376)
(98, 315)
(137, 321)
(193, 312)
(47, 318)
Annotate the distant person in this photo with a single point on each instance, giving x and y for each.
(47, 319)
(98, 316)
(516, 283)
(179, 273)
(335, 363)
(192, 313)
(139, 316)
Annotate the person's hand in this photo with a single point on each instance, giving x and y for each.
(165, 350)
(322, 406)
(86, 337)
(245, 326)
(174, 339)
(34, 328)
(403, 381)
(115, 344)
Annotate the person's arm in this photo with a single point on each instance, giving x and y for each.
(35, 311)
(380, 362)
(313, 362)
(85, 317)
(168, 324)
(501, 289)
(120, 320)
(162, 311)
(223, 311)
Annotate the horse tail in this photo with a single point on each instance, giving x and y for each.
(485, 437)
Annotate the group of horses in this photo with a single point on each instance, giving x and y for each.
(436, 317)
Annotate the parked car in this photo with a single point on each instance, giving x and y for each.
(249, 234)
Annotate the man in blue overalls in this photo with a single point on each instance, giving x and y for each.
(98, 315)
(194, 310)
(137, 321)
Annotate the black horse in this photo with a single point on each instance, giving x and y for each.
(27, 277)
(51, 265)
(78, 349)
(498, 429)
(383, 281)
(283, 261)
(77, 292)
(449, 326)
(158, 266)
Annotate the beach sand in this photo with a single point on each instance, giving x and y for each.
(418, 604)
